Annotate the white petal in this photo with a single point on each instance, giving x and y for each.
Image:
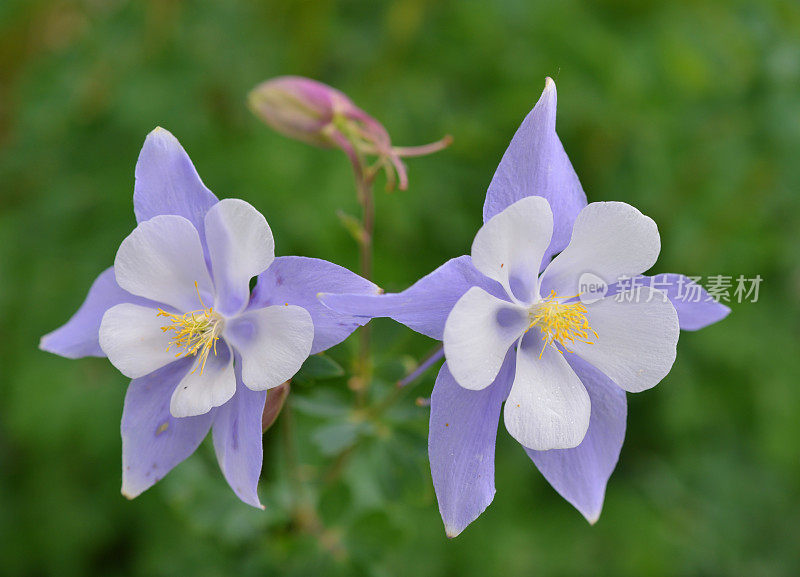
(199, 392)
(510, 246)
(637, 338)
(273, 342)
(131, 337)
(161, 260)
(548, 407)
(612, 240)
(241, 246)
(477, 335)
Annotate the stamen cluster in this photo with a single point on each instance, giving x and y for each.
(196, 332)
(561, 322)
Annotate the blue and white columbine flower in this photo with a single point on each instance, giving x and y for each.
(175, 314)
(561, 365)
(631, 338)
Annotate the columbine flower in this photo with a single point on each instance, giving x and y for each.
(175, 314)
(630, 338)
(318, 114)
(560, 365)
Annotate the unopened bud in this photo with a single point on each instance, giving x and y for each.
(298, 107)
(318, 114)
(276, 397)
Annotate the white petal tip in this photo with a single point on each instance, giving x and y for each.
(43, 343)
(468, 379)
(255, 503)
(258, 387)
(162, 134)
(451, 532)
(549, 84)
(593, 518)
(182, 412)
(185, 414)
(536, 446)
(128, 494)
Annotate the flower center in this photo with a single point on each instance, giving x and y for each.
(196, 332)
(561, 322)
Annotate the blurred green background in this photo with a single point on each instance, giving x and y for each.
(689, 110)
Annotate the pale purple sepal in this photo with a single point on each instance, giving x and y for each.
(535, 164)
(167, 182)
(696, 309)
(79, 336)
(237, 439)
(461, 442)
(580, 475)
(425, 305)
(297, 280)
(153, 441)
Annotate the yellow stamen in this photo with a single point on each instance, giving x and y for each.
(561, 322)
(196, 332)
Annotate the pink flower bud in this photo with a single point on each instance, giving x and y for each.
(299, 108)
(318, 114)
(276, 397)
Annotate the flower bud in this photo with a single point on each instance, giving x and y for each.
(318, 114)
(299, 107)
(276, 397)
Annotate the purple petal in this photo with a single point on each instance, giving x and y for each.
(580, 474)
(535, 164)
(79, 337)
(237, 439)
(153, 441)
(696, 309)
(461, 441)
(424, 306)
(167, 182)
(297, 281)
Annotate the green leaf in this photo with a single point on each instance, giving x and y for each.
(321, 403)
(336, 437)
(318, 367)
(353, 226)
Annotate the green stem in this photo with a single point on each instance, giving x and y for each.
(367, 200)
